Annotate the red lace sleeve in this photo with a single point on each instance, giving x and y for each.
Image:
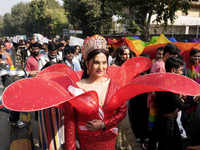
(70, 126)
(116, 118)
(120, 112)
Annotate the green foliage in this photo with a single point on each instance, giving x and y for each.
(7, 29)
(13, 23)
(18, 13)
(140, 11)
(56, 20)
(1, 25)
(46, 17)
(39, 16)
(52, 4)
(35, 21)
(91, 16)
(1, 21)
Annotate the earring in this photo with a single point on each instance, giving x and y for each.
(88, 71)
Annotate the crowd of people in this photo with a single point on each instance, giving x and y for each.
(163, 133)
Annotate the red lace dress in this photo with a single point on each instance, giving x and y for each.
(98, 140)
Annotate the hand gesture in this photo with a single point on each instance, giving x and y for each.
(194, 148)
(94, 125)
(196, 98)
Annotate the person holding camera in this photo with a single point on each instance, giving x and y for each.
(14, 118)
(6, 62)
(6, 59)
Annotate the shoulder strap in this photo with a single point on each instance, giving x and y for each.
(35, 58)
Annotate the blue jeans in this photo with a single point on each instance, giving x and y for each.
(9, 51)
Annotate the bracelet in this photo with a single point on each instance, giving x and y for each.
(102, 125)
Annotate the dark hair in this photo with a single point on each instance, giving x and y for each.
(111, 49)
(133, 53)
(2, 44)
(173, 62)
(61, 62)
(30, 46)
(160, 49)
(145, 55)
(49, 63)
(119, 60)
(60, 45)
(171, 49)
(52, 46)
(70, 49)
(27, 42)
(92, 55)
(64, 39)
(20, 42)
(180, 56)
(194, 51)
(66, 48)
(36, 44)
(0, 56)
(77, 46)
(147, 71)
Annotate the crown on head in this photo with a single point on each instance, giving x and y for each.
(92, 43)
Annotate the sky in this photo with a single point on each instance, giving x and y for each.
(6, 5)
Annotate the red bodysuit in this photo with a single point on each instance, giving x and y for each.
(102, 139)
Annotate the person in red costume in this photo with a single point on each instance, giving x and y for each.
(95, 104)
(97, 133)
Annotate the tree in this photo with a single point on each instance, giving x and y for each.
(18, 13)
(56, 20)
(7, 28)
(139, 12)
(1, 25)
(39, 16)
(91, 16)
(52, 4)
(35, 21)
(44, 19)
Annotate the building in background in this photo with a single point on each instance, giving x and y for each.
(187, 26)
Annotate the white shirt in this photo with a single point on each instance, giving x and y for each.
(110, 60)
(79, 56)
(28, 53)
(75, 66)
(60, 54)
(13, 72)
(113, 61)
(44, 59)
(75, 59)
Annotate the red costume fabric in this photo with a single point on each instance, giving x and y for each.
(53, 87)
(101, 139)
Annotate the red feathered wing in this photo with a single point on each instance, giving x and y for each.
(33, 94)
(129, 70)
(61, 76)
(63, 69)
(153, 82)
(49, 88)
